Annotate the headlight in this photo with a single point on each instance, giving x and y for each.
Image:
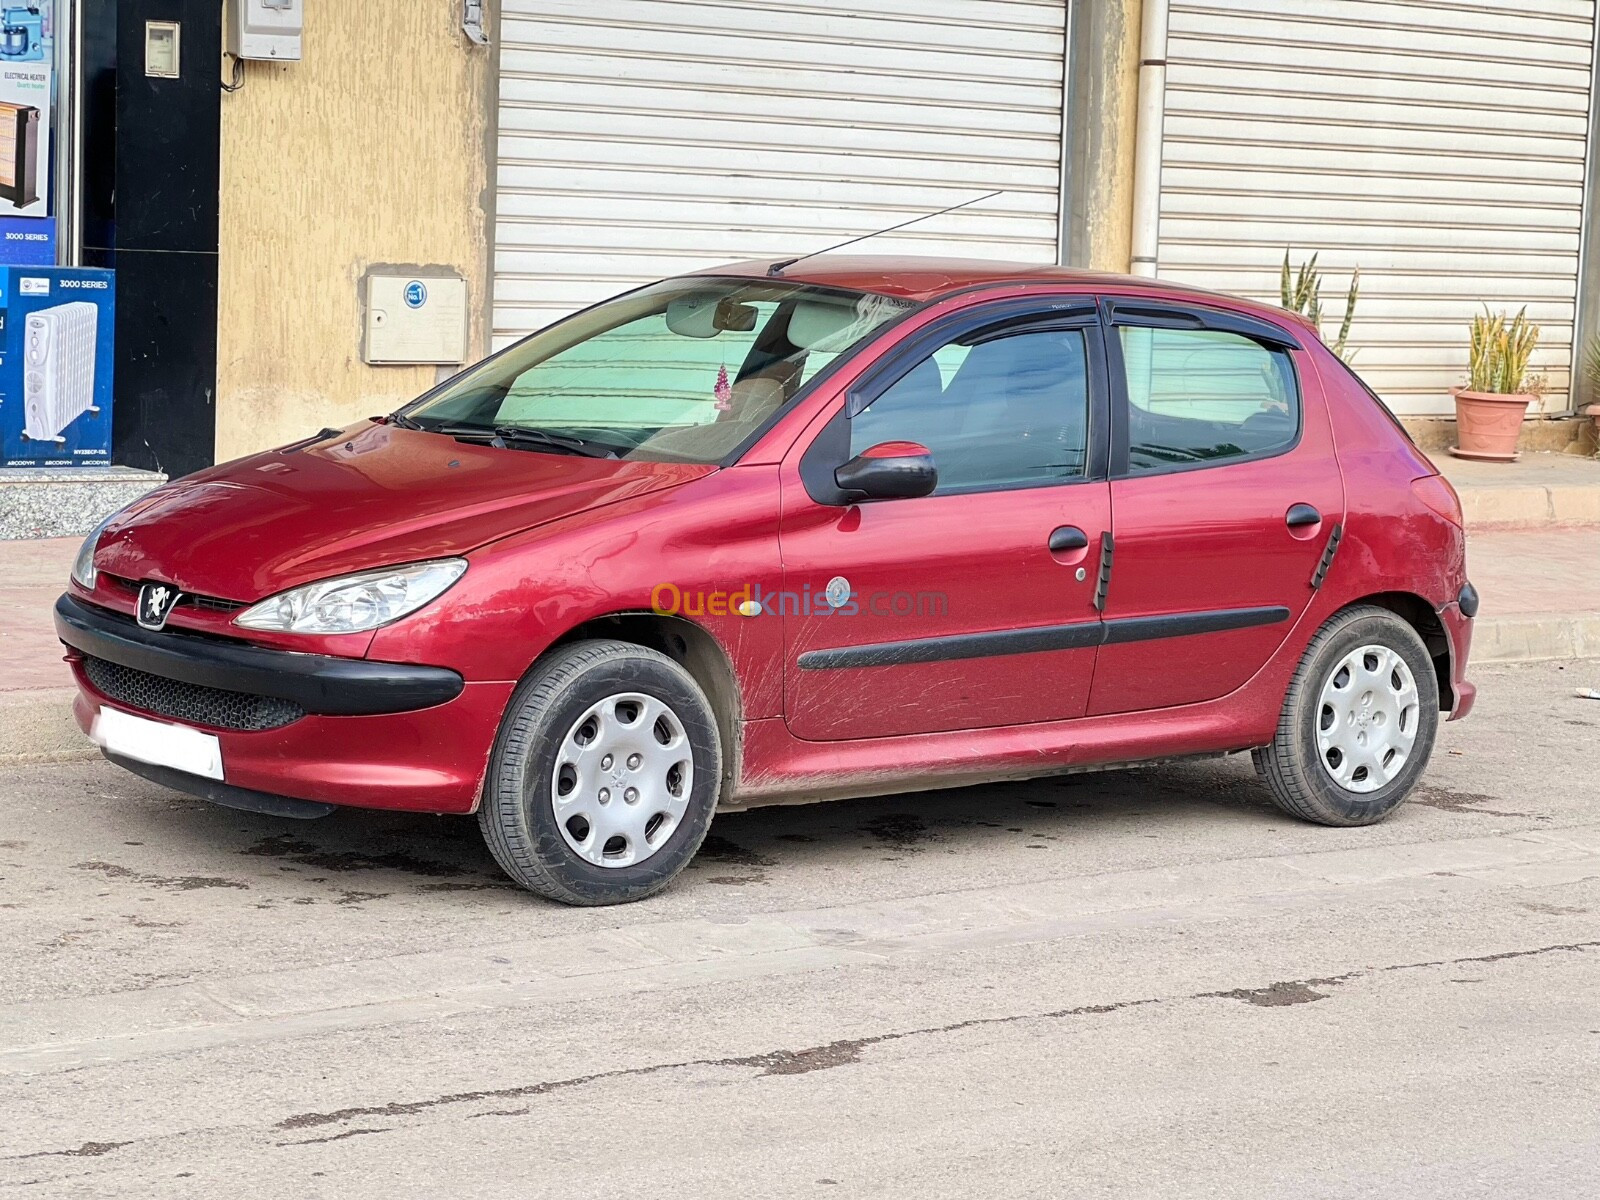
(354, 603)
(83, 572)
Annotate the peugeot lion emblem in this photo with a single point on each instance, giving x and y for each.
(156, 602)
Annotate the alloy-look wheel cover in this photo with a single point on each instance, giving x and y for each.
(1367, 719)
(622, 780)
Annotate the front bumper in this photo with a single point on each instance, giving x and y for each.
(318, 683)
(374, 735)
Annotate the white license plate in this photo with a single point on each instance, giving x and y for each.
(157, 743)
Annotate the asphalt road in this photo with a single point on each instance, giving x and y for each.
(1144, 984)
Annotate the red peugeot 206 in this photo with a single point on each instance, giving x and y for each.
(843, 526)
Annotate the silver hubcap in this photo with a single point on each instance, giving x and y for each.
(1367, 719)
(622, 780)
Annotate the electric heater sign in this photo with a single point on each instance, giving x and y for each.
(55, 366)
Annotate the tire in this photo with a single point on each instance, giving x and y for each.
(541, 761)
(1329, 729)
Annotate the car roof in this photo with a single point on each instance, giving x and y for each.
(928, 278)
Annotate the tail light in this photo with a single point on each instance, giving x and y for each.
(1435, 491)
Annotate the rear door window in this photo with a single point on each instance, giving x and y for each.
(1205, 397)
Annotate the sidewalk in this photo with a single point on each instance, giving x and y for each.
(1539, 579)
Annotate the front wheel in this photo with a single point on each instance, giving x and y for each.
(1358, 722)
(604, 776)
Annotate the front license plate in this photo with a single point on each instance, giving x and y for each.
(157, 743)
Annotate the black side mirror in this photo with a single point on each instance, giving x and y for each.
(889, 471)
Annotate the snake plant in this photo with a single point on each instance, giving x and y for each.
(1301, 292)
(1500, 352)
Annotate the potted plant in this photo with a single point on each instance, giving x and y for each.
(1301, 292)
(1489, 410)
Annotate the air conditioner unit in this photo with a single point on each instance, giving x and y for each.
(19, 153)
(57, 368)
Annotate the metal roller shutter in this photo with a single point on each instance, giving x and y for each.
(641, 138)
(1437, 146)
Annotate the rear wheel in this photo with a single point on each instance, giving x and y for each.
(604, 776)
(1358, 722)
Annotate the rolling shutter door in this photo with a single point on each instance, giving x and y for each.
(1437, 146)
(643, 138)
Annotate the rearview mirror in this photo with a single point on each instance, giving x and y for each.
(889, 471)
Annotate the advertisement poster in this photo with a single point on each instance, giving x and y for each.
(55, 367)
(27, 99)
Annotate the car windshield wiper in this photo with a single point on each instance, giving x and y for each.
(517, 435)
(403, 421)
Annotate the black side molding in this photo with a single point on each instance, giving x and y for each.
(224, 794)
(1218, 620)
(1075, 636)
(1326, 561)
(318, 683)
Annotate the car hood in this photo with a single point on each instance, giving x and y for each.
(374, 495)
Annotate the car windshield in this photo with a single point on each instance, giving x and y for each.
(680, 371)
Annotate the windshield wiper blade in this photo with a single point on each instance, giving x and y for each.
(516, 435)
(403, 421)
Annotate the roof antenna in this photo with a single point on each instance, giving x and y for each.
(778, 268)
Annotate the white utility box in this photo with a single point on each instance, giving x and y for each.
(264, 29)
(415, 319)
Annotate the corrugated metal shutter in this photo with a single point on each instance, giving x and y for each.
(1437, 146)
(641, 138)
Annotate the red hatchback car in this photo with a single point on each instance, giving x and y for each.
(779, 532)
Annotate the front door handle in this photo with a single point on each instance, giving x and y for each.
(1068, 537)
(1301, 515)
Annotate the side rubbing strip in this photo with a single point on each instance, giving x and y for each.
(1326, 560)
(967, 645)
(1079, 635)
(1217, 620)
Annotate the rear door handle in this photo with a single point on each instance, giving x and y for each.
(1301, 514)
(1068, 537)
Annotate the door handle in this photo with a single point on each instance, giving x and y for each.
(1068, 537)
(1300, 515)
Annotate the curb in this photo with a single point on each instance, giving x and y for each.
(1536, 637)
(1527, 505)
(36, 725)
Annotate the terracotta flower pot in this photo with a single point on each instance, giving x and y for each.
(1487, 424)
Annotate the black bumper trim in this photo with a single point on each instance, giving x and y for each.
(319, 683)
(224, 794)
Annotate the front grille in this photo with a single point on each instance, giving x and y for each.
(189, 701)
(210, 603)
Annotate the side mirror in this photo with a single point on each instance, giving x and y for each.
(889, 471)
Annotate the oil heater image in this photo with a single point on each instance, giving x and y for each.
(57, 368)
(19, 153)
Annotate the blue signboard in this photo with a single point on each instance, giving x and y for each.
(56, 328)
(28, 241)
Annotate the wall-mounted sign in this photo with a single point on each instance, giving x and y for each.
(55, 366)
(27, 98)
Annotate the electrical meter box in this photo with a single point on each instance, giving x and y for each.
(416, 319)
(264, 29)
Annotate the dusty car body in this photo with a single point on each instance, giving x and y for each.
(871, 524)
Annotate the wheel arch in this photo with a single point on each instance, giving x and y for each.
(1422, 617)
(692, 648)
